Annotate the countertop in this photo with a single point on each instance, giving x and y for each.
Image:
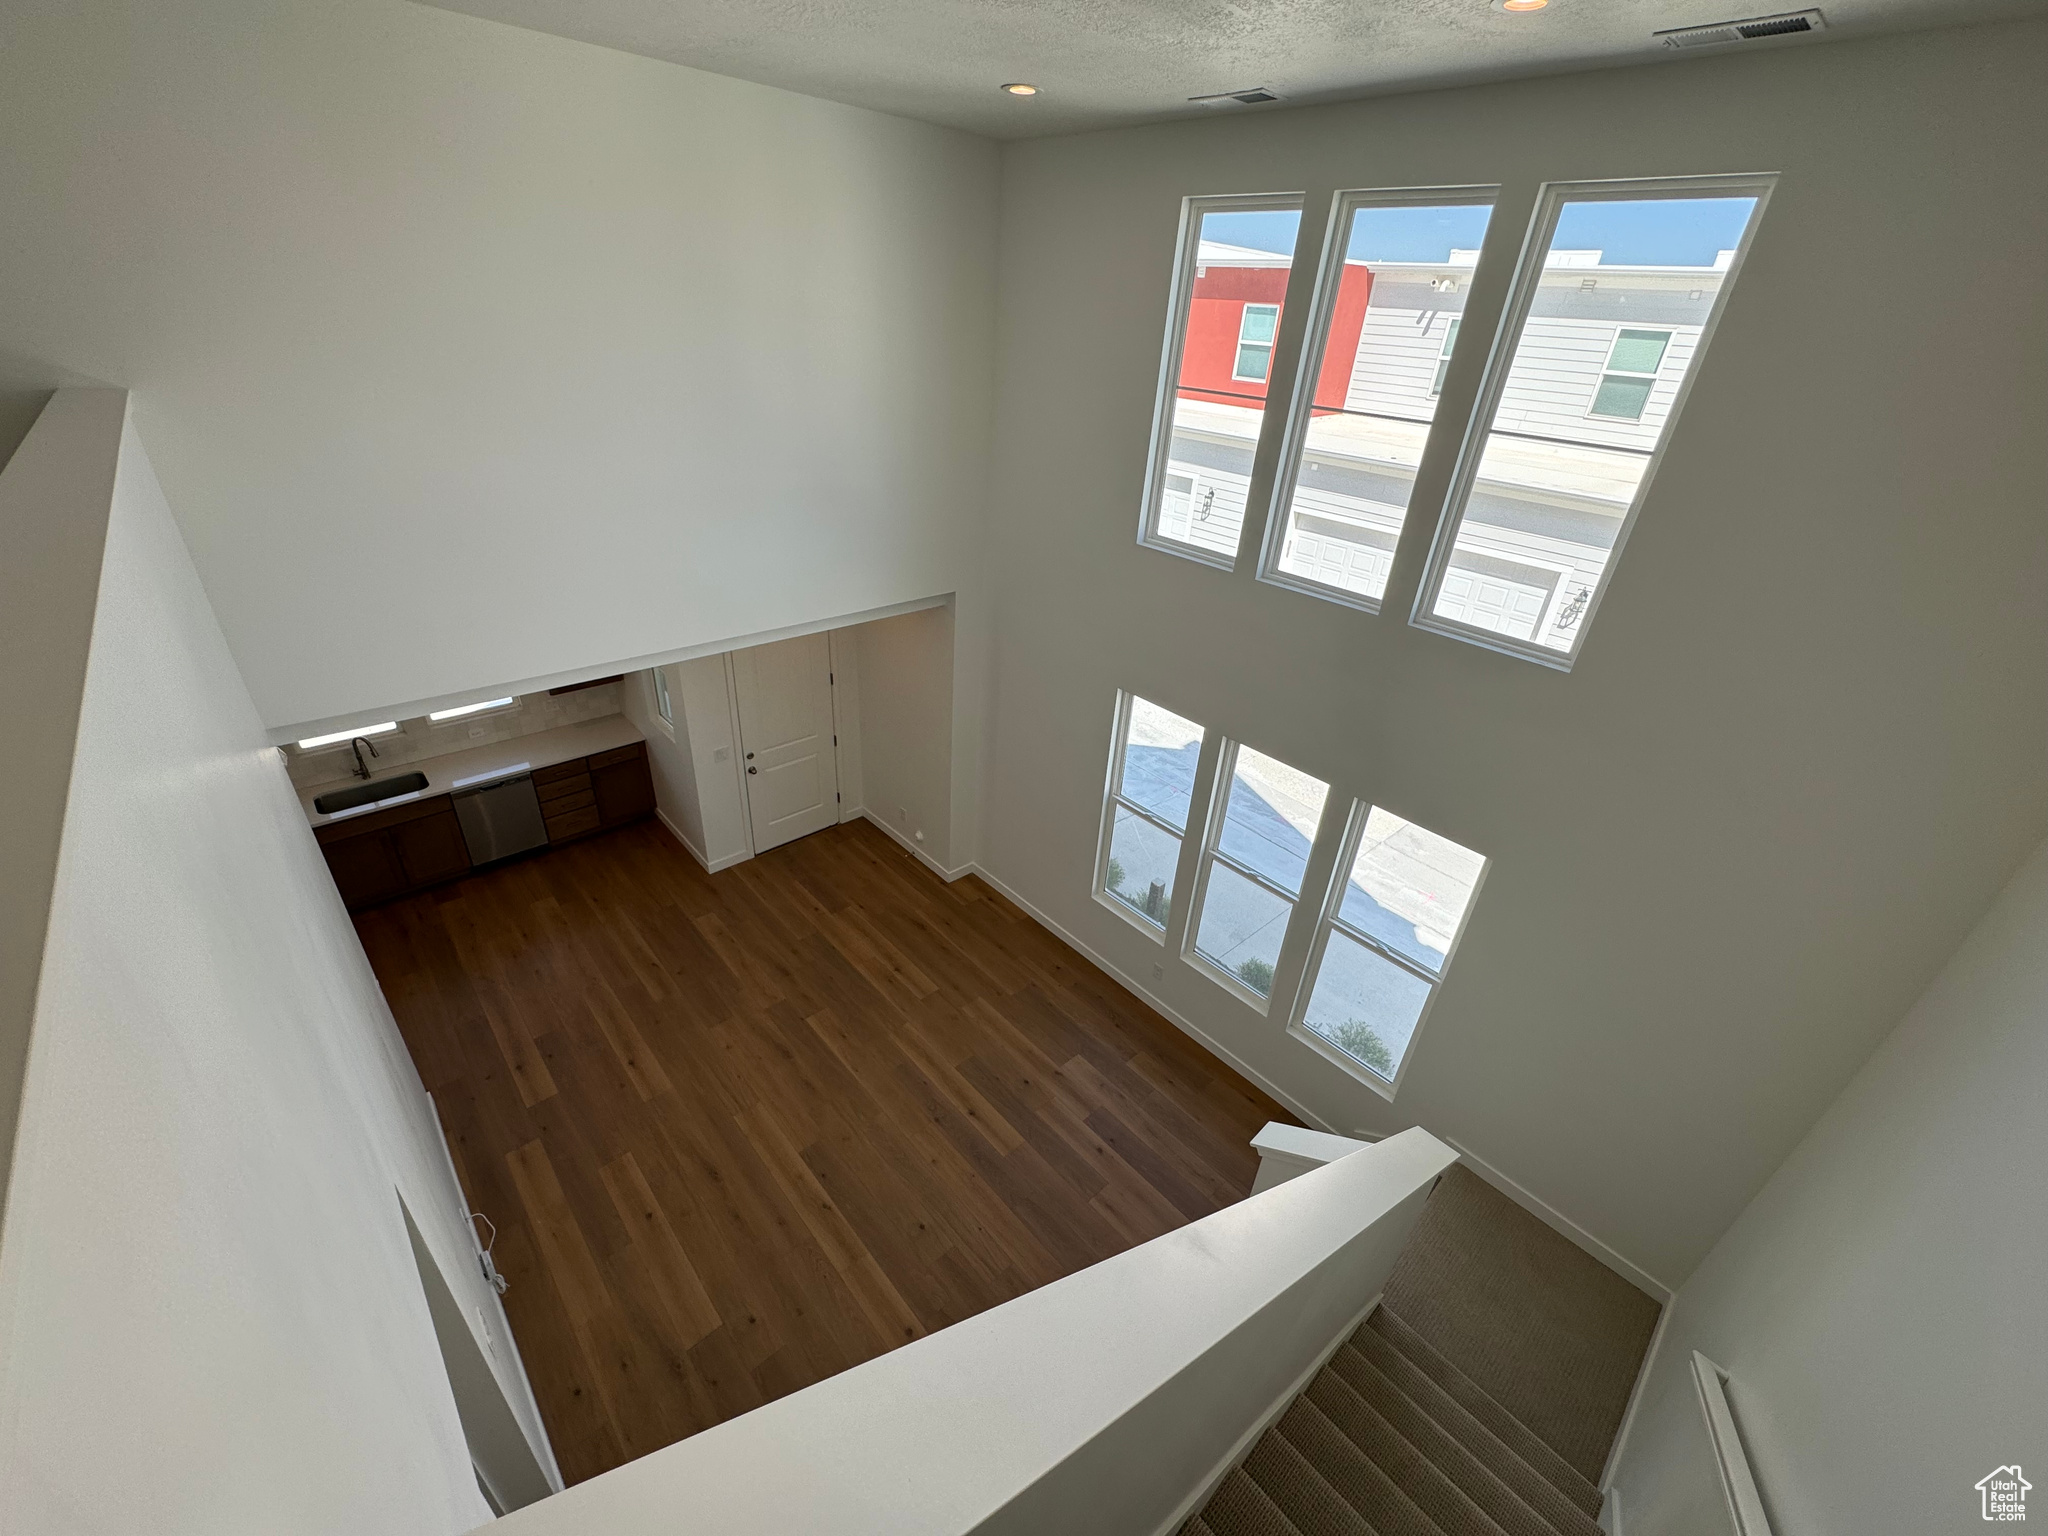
(492, 760)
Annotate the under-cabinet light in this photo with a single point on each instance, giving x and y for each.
(469, 709)
(337, 737)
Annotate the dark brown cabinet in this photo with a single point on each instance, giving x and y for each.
(623, 789)
(607, 789)
(410, 847)
(389, 853)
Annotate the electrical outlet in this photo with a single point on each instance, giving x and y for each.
(903, 814)
(1158, 972)
(476, 733)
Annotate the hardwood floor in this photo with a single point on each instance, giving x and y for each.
(742, 1131)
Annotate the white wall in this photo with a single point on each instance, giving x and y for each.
(907, 733)
(1803, 747)
(210, 1317)
(470, 355)
(1878, 1305)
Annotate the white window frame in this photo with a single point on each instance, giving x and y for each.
(466, 712)
(1443, 356)
(1330, 920)
(1609, 371)
(664, 706)
(1237, 357)
(1179, 298)
(1215, 816)
(1507, 337)
(1113, 800)
(1301, 398)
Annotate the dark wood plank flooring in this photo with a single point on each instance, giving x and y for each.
(739, 1132)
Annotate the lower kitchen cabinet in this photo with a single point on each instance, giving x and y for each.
(410, 847)
(389, 853)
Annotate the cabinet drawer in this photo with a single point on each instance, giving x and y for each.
(575, 824)
(555, 809)
(617, 755)
(561, 789)
(566, 770)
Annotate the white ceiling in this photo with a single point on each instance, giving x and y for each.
(1107, 62)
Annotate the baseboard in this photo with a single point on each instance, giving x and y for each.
(1610, 1513)
(710, 867)
(930, 863)
(1635, 1403)
(1562, 1224)
(1250, 1437)
(1208, 1043)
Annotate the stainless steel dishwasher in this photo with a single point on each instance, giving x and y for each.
(500, 818)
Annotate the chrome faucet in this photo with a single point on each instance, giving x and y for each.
(356, 745)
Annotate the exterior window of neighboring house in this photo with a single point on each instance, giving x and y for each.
(1255, 341)
(1253, 863)
(1145, 813)
(1632, 364)
(1389, 303)
(1542, 478)
(1443, 358)
(1229, 288)
(661, 700)
(1386, 936)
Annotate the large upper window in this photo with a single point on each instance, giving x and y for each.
(1387, 933)
(1619, 288)
(1252, 869)
(1151, 782)
(1388, 304)
(1229, 293)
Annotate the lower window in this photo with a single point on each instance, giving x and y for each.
(1386, 937)
(1145, 816)
(1252, 869)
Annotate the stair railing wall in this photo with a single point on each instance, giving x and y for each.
(1092, 1406)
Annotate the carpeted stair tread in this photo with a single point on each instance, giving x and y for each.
(1347, 1469)
(1300, 1492)
(1513, 1495)
(1426, 1486)
(1197, 1527)
(1240, 1507)
(1475, 1400)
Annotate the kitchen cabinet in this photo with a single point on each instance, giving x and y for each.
(393, 852)
(590, 794)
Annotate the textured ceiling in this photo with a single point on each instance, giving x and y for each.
(1107, 62)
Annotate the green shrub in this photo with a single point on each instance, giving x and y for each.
(1359, 1039)
(1256, 974)
(1116, 874)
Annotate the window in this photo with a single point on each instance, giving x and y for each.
(1387, 934)
(1151, 782)
(1252, 869)
(470, 709)
(1229, 292)
(1396, 272)
(1443, 358)
(1619, 288)
(336, 738)
(1632, 364)
(662, 705)
(1255, 334)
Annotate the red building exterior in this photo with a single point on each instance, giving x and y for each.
(1208, 359)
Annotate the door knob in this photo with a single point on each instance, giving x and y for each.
(752, 769)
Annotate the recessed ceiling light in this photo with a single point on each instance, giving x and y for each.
(1523, 5)
(1019, 88)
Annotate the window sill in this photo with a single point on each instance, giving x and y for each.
(1348, 1066)
(1131, 915)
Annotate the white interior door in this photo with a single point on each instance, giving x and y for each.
(785, 699)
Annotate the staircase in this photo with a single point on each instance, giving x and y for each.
(1391, 1439)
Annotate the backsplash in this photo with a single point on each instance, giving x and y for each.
(415, 739)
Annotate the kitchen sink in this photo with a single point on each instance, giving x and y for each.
(366, 794)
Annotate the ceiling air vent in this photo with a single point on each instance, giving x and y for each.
(1250, 97)
(1756, 29)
